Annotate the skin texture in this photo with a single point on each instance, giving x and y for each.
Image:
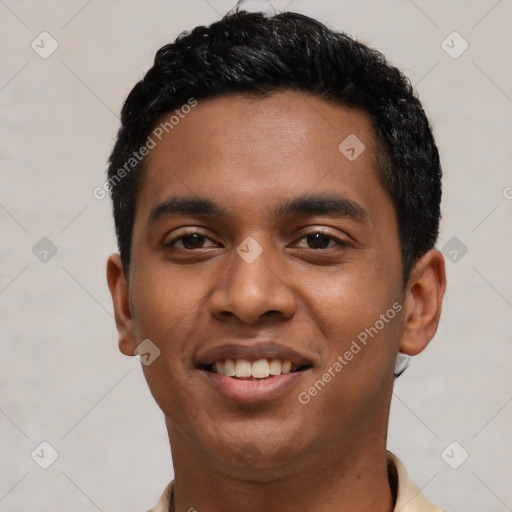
(316, 297)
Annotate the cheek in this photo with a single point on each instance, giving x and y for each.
(363, 334)
(166, 307)
(352, 300)
(162, 298)
(360, 316)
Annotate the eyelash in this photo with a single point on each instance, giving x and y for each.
(339, 242)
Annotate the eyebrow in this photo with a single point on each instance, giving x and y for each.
(322, 204)
(312, 204)
(186, 206)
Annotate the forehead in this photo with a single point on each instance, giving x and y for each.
(296, 122)
(252, 152)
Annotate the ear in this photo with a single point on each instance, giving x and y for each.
(118, 285)
(423, 302)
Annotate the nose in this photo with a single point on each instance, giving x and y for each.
(250, 290)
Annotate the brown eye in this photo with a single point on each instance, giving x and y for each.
(189, 241)
(320, 240)
(192, 241)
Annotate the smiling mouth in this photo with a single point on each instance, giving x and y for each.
(243, 369)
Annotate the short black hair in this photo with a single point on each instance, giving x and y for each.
(257, 55)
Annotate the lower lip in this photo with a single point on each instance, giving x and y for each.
(254, 390)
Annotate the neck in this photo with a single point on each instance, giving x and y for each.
(346, 478)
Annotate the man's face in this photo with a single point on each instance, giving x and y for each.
(256, 282)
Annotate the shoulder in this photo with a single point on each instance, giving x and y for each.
(164, 501)
(409, 498)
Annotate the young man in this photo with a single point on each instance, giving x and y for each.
(276, 192)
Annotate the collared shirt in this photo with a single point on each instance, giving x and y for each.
(408, 497)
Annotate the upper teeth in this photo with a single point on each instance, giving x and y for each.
(258, 369)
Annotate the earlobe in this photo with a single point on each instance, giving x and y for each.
(423, 302)
(118, 286)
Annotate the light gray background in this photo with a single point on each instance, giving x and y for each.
(62, 378)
